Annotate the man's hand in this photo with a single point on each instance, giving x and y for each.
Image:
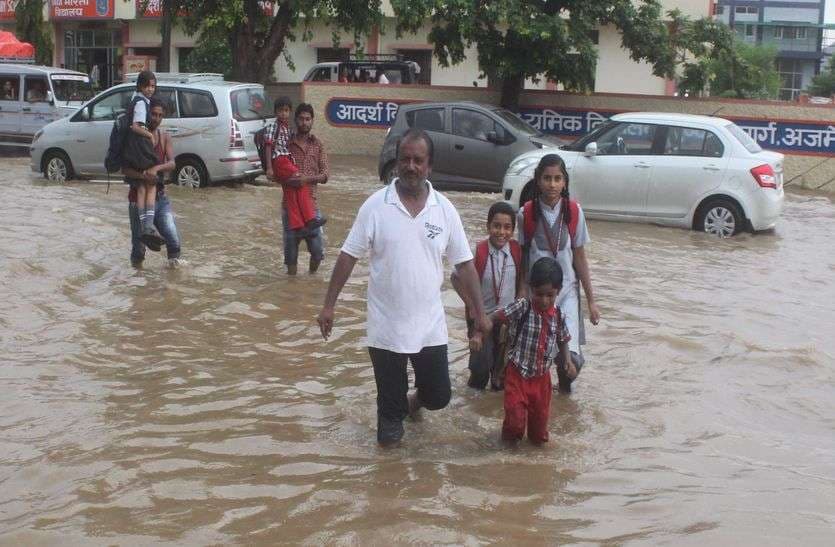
(269, 174)
(476, 342)
(485, 326)
(325, 321)
(295, 181)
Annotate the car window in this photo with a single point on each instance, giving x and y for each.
(9, 87)
(744, 138)
(686, 141)
(168, 96)
(428, 119)
(515, 121)
(249, 104)
(71, 87)
(107, 108)
(322, 74)
(471, 124)
(196, 104)
(35, 88)
(627, 139)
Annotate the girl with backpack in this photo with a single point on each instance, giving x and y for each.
(553, 225)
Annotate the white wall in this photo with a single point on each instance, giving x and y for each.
(617, 73)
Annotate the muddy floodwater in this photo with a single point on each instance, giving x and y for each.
(200, 406)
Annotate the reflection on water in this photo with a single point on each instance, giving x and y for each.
(200, 406)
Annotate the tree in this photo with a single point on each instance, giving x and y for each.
(823, 85)
(519, 39)
(256, 39)
(210, 54)
(746, 72)
(31, 27)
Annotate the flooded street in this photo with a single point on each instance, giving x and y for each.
(200, 405)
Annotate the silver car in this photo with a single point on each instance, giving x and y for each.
(474, 142)
(212, 123)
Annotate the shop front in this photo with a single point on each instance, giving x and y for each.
(88, 39)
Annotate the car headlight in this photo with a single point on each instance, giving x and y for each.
(37, 136)
(517, 166)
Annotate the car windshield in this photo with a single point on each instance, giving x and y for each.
(744, 138)
(515, 121)
(580, 144)
(250, 104)
(71, 87)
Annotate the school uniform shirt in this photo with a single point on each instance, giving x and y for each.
(140, 109)
(568, 299)
(406, 271)
(534, 336)
(499, 275)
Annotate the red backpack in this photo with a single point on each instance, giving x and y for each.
(529, 224)
(482, 251)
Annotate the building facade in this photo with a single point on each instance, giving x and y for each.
(106, 38)
(794, 27)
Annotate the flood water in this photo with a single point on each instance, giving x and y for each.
(200, 405)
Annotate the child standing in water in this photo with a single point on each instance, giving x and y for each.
(498, 261)
(538, 333)
(301, 209)
(553, 225)
(138, 154)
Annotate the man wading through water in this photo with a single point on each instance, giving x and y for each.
(163, 217)
(406, 229)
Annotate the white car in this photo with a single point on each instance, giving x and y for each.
(697, 172)
(212, 123)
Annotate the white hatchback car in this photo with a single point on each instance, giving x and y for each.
(697, 172)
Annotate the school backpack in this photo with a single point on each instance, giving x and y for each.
(529, 224)
(482, 251)
(260, 137)
(118, 134)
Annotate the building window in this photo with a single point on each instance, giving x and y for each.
(718, 10)
(801, 33)
(749, 10)
(331, 54)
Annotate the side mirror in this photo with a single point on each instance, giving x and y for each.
(591, 150)
(84, 115)
(50, 98)
(493, 137)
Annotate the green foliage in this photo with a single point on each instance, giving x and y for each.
(256, 39)
(31, 27)
(747, 72)
(210, 54)
(823, 85)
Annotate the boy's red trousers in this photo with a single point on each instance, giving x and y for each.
(527, 404)
(299, 201)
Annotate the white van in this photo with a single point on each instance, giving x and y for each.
(33, 96)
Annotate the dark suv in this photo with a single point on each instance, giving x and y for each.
(474, 142)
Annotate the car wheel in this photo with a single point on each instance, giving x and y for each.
(389, 173)
(57, 167)
(191, 173)
(720, 217)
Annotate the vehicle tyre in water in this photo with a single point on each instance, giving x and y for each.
(57, 167)
(720, 217)
(191, 173)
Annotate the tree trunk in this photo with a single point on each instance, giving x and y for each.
(512, 86)
(253, 59)
(167, 20)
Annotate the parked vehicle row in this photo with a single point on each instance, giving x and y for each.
(212, 122)
(697, 172)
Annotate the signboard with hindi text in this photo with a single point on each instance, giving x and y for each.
(788, 136)
(7, 8)
(151, 9)
(80, 9)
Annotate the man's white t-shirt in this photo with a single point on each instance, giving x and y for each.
(406, 270)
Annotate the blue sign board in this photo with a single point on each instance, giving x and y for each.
(786, 136)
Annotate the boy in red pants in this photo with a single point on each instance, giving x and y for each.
(537, 334)
(301, 209)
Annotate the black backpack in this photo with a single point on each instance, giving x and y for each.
(121, 126)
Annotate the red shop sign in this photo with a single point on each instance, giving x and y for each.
(80, 9)
(7, 8)
(153, 8)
